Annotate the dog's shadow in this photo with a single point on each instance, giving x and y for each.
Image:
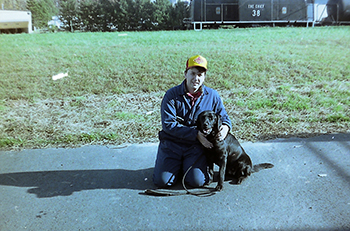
(65, 183)
(230, 179)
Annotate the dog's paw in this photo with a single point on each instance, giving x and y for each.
(208, 183)
(219, 187)
(240, 180)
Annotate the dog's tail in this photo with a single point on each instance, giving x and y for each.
(258, 167)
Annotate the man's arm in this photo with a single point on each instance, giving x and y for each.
(171, 125)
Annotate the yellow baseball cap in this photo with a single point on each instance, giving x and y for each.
(196, 61)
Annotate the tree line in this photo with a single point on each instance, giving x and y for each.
(110, 15)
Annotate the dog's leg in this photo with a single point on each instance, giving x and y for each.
(211, 173)
(222, 172)
(240, 179)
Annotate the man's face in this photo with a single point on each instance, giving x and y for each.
(194, 78)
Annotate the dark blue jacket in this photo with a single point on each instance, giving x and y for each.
(179, 117)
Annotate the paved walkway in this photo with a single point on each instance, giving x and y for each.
(100, 188)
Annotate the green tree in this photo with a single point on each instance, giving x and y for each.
(88, 15)
(148, 19)
(180, 11)
(108, 14)
(122, 15)
(162, 14)
(131, 17)
(14, 4)
(69, 14)
(42, 12)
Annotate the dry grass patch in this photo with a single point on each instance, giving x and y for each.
(257, 114)
(128, 118)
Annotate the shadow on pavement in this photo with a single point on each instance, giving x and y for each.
(65, 183)
(329, 154)
(307, 137)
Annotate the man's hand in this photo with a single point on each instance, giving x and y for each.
(224, 129)
(203, 140)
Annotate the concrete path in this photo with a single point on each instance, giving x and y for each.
(100, 188)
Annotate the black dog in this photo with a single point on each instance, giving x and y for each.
(228, 154)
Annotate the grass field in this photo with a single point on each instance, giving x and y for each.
(275, 82)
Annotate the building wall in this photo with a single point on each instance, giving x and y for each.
(16, 20)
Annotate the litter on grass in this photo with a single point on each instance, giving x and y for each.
(59, 76)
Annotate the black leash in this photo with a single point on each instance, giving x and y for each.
(203, 192)
(198, 192)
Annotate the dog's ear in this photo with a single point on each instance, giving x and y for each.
(198, 124)
(218, 122)
(198, 121)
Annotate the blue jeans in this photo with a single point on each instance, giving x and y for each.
(173, 157)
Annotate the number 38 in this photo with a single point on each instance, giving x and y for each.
(256, 13)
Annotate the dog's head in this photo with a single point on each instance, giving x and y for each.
(208, 122)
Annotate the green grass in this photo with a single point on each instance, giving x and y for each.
(273, 81)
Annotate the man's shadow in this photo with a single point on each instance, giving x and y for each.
(65, 183)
